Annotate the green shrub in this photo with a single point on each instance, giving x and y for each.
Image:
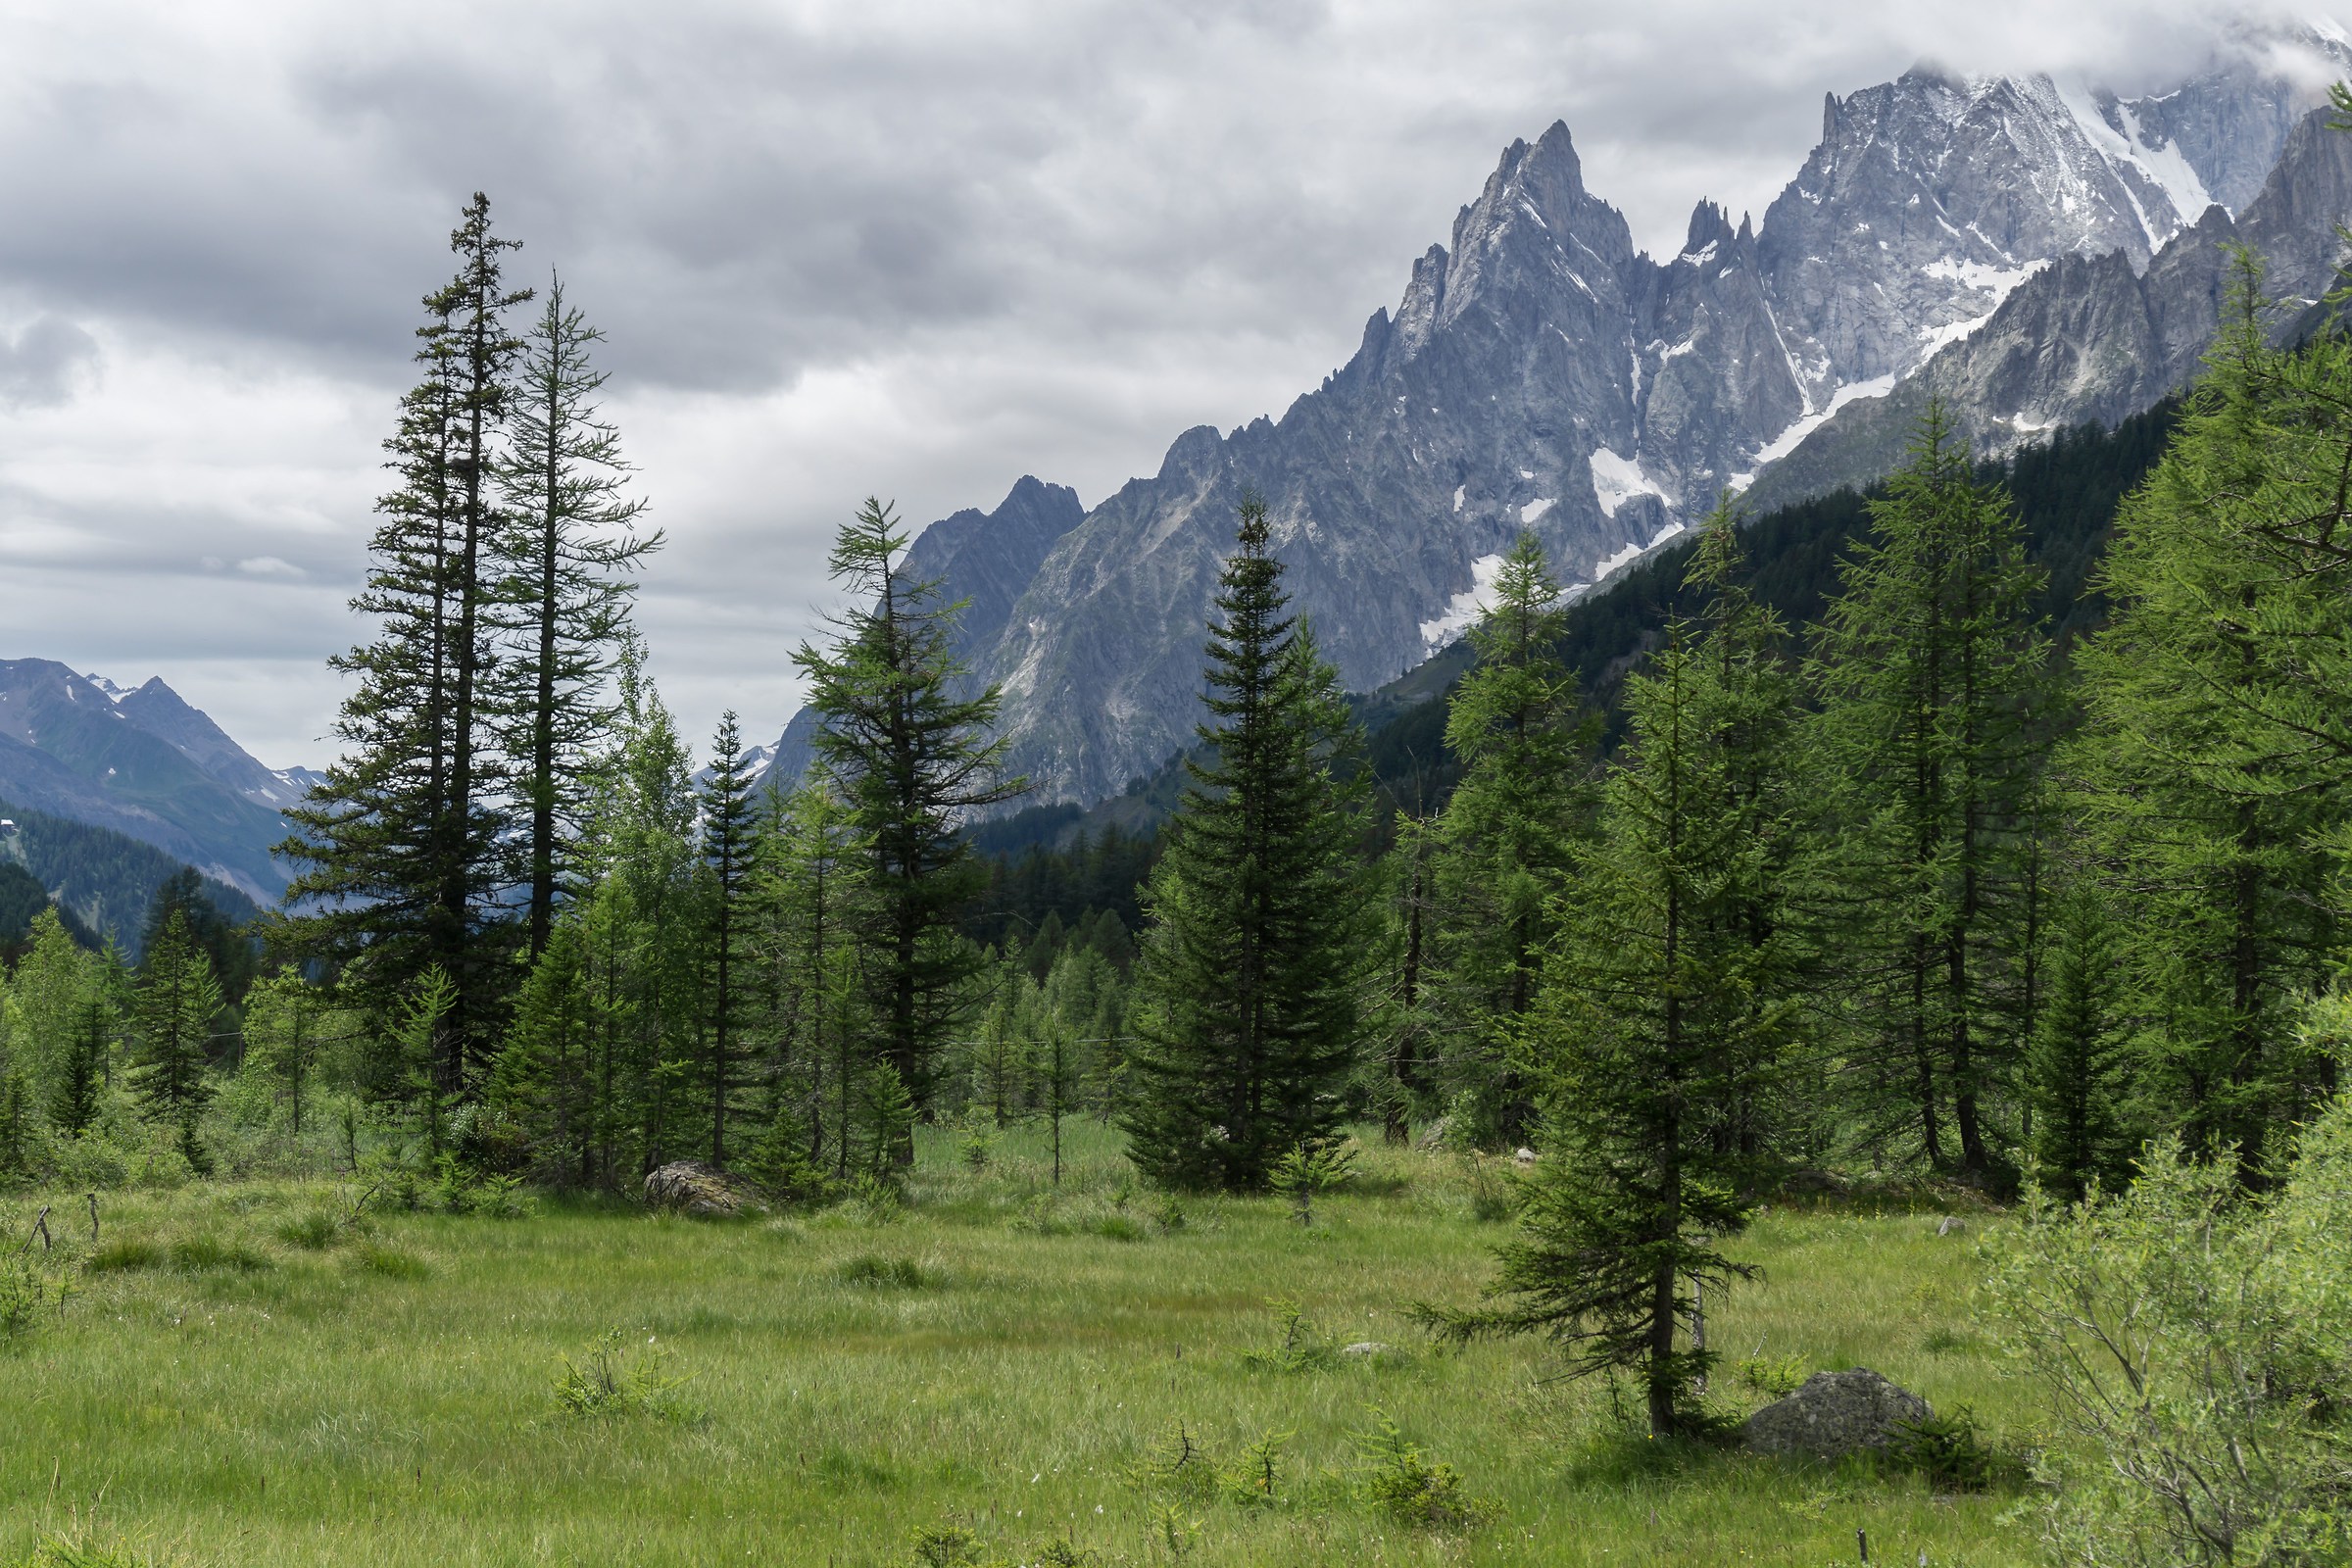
(1255, 1480)
(1951, 1451)
(944, 1546)
(1119, 1227)
(25, 1293)
(1402, 1483)
(1773, 1377)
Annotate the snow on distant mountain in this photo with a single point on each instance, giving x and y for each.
(1540, 372)
(142, 763)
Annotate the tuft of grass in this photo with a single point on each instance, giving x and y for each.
(313, 1231)
(82, 1550)
(124, 1255)
(389, 1262)
(886, 1273)
(206, 1252)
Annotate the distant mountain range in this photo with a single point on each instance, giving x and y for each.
(145, 764)
(2037, 252)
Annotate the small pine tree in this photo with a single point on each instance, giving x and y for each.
(729, 862)
(172, 1021)
(1251, 968)
(2078, 1071)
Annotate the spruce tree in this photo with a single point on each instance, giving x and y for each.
(171, 1025)
(403, 843)
(571, 546)
(1930, 672)
(912, 757)
(1506, 839)
(2078, 1070)
(1251, 967)
(729, 860)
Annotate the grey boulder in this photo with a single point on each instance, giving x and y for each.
(1835, 1415)
(690, 1187)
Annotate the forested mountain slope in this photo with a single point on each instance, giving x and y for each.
(103, 880)
(144, 765)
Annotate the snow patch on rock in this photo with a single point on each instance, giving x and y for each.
(1464, 608)
(1617, 480)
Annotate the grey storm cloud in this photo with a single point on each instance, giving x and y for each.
(42, 362)
(836, 245)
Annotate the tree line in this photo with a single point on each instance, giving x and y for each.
(1928, 889)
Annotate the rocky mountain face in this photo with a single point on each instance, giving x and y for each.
(1541, 374)
(2093, 337)
(142, 763)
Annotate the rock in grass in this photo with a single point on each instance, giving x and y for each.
(1950, 1225)
(1835, 1415)
(1370, 1349)
(693, 1188)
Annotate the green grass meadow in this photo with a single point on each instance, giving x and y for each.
(239, 1381)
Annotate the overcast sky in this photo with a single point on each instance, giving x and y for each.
(838, 246)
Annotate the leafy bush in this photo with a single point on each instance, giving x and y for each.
(2199, 1346)
(944, 1546)
(1402, 1483)
(26, 1293)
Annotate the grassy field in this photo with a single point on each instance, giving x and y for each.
(238, 1384)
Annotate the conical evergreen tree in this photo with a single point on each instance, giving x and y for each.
(1251, 968)
(729, 861)
(403, 843)
(1660, 1005)
(171, 1025)
(2078, 1071)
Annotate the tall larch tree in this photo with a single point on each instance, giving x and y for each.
(572, 546)
(910, 750)
(1506, 839)
(1931, 670)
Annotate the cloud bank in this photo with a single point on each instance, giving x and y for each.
(912, 249)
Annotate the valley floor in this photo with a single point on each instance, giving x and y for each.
(235, 1384)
